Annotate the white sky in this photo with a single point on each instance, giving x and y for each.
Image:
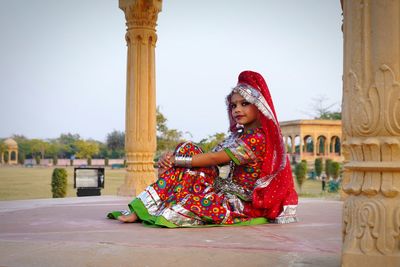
(63, 63)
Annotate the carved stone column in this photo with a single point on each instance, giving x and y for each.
(371, 131)
(140, 133)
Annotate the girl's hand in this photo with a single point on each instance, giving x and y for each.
(166, 160)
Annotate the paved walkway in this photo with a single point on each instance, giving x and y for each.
(74, 232)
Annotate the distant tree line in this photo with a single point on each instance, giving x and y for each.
(69, 145)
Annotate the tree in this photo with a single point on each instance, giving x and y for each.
(67, 144)
(38, 147)
(322, 110)
(318, 166)
(300, 173)
(104, 152)
(213, 140)
(116, 143)
(167, 139)
(86, 149)
(116, 140)
(161, 122)
(54, 149)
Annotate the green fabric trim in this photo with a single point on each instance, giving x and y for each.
(254, 221)
(114, 215)
(162, 222)
(148, 220)
(230, 154)
(141, 211)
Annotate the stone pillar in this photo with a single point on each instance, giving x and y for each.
(301, 146)
(293, 145)
(285, 138)
(371, 133)
(140, 122)
(315, 146)
(326, 146)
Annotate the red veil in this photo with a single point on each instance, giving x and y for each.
(274, 195)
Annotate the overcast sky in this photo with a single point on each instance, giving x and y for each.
(63, 63)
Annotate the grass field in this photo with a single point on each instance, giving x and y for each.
(30, 183)
(33, 183)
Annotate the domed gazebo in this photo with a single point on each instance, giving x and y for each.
(11, 150)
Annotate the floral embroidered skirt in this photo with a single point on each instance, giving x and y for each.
(184, 197)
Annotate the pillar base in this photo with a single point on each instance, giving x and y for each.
(357, 260)
(371, 231)
(136, 182)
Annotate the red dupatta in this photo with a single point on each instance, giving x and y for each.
(274, 192)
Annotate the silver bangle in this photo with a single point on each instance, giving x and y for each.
(182, 161)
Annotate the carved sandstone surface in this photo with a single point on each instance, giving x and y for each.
(374, 111)
(140, 138)
(371, 133)
(374, 223)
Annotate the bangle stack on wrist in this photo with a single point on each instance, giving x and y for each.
(182, 161)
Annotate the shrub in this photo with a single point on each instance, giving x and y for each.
(335, 169)
(318, 166)
(300, 172)
(328, 163)
(59, 183)
(333, 186)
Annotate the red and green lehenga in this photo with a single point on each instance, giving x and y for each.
(183, 197)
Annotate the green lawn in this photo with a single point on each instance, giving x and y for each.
(31, 183)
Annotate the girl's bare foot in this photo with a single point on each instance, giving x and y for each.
(128, 218)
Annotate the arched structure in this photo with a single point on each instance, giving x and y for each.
(11, 152)
(321, 146)
(315, 139)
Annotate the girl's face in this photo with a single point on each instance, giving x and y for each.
(243, 112)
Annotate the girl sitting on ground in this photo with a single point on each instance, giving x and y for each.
(258, 189)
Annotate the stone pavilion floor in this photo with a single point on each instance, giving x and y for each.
(74, 232)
